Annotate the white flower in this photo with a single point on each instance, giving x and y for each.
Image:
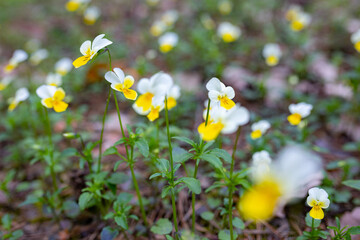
(301, 21)
(293, 172)
(38, 56)
(5, 82)
(207, 22)
(91, 14)
(259, 128)
(158, 28)
(21, 95)
(63, 66)
(228, 32)
(121, 83)
(355, 39)
(73, 5)
(219, 93)
(157, 105)
(168, 41)
(317, 199)
(170, 17)
(172, 95)
(52, 97)
(18, 57)
(260, 165)
(89, 49)
(225, 7)
(272, 54)
(54, 79)
(293, 12)
(298, 112)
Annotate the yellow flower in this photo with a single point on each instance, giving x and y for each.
(168, 41)
(21, 95)
(18, 57)
(355, 39)
(298, 112)
(219, 93)
(89, 50)
(259, 128)
(121, 83)
(52, 97)
(74, 5)
(228, 32)
(91, 14)
(317, 199)
(272, 54)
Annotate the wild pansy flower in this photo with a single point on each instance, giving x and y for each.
(73, 5)
(91, 14)
(38, 56)
(272, 54)
(298, 112)
(260, 165)
(5, 82)
(225, 7)
(89, 49)
(170, 17)
(172, 95)
(355, 39)
(52, 97)
(317, 199)
(121, 83)
(289, 176)
(301, 21)
(168, 41)
(18, 57)
(158, 28)
(157, 85)
(228, 32)
(223, 121)
(54, 79)
(21, 95)
(219, 93)
(63, 66)
(259, 128)
(293, 12)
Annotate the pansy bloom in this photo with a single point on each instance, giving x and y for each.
(228, 32)
(298, 112)
(355, 39)
(18, 57)
(63, 66)
(219, 93)
(52, 97)
(317, 199)
(54, 79)
(121, 83)
(272, 54)
(168, 41)
(259, 128)
(21, 95)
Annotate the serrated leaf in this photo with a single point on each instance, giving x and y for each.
(143, 147)
(352, 183)
(212, 159)
(192, 183)
(221, 153)
(207, 215)
(162, 227)
(180, 155)
(85, 200)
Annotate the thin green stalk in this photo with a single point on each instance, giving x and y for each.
(196, 169)
(172, 168)
(102, 131)
(131, 165)
(231, 188)
(52, 170)
(120, 122)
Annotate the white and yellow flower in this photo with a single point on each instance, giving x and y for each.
(228, 32)
(121, 83)
(158, 85)
(63, 66)
(158, 28)
(298, 112)
(289, 176)
(91, 14)
(260, 165)
(18, 57)
(220, 94)
(54, 79)
(168, 41)
(5, 82)
(172, 95)
(317, 199)
(170, 17)
(38, 56)
(259, 128)
(74, 5)
(301, 21)
(21, 95)
(272, 54)
(52, 97)
(293, 12)
(225, 7)
(157, 105)
(355, 39)
(223, 121)
(89, 49)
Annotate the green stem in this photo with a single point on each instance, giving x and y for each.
(231, 187)
(120, 122)
(172, 168)
(52, 170)
(131, 164)
(102, 131)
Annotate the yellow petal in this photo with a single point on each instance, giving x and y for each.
(211, 131)
(9, 68)
(165, 48)
(128, 82)
(256, 134)
(12, 106)
(171, 102)
(296, 26)
(60, 106)
(226, 103)
(119, 87)
(59, 94)
(2, 86)
(357, 46)
(81, 61)
(154, 114)
(228, 37)
(89, 21)
(72, 6)
(130, 94)
(47, 102)
(144, 101)
(316, 212)
(272, 60)
(294, 119)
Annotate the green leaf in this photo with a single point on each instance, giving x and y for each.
(186, 140)
(118, 178)
(122, 221)
(110, 151)
(221, 153)
(85, 200)
(308, 221)
(143, 146)
(352, 183)
(168, 237)
(6, 221)
(238, 223)
(225, 235)
(212, 159)
(71, 208)
(162, 227)
(354, 230)
(207, 215)
(154, 175)
(108, 233)
(124, 197)
(165, 191)
(17, 234)
(180, 155)
(192, 183)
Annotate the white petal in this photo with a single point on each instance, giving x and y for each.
(326, 203)
(213, 95)
(174, 92)
(119, 73)
(139, 110)
(85, 47)
(100, 42)
(230, 93)
(22, 94)
(111, 77)
(45, 91)
(19, 56)
(214, 85)
(309, 199)
(143, 85)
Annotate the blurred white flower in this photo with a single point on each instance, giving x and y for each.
(272, 54)
(21, 95)
(170, 17)
(298, 112)
(168, 41)
(91, 14)
(158, 28)
(74, 5)
(63, 66)
(301, 21)
(5, 82)
(54, 79)
(259, 128)
(228, 32)
(355, 39)
(260, 165)
(18, 57)
(38, 56)
(225, 7)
